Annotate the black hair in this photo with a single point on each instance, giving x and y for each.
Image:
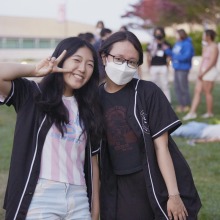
(81, 35)
(161, 29)
(52, 87)
(100, 22)
(210, 33)
(105, 31)
(123, 28)
(119, 37)
(182, 33)
(88, 36)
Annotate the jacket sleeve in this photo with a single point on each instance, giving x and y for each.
(186, 53)
(161, 116)
(95, 148)
(19, 93)
(168, 52)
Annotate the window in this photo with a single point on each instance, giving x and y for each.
(11, 43)
(44, 43)
(28, 43)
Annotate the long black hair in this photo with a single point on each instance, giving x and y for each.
(52, 87)
(119, 37)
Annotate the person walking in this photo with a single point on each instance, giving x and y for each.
(54, 169)
(181, 55)
(158, 61)
(143, 174)
(206, 77)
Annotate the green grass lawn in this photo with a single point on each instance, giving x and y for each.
(203, 159)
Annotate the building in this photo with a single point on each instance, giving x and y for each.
(30, 39)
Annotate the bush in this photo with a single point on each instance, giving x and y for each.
(197, 42)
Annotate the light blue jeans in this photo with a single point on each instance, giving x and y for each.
(55, 200)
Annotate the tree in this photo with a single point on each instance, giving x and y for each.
(153, 12)
(167, 12)
(200, 11)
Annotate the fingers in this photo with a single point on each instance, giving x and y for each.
(49, 58)
(61, 56)
(176, 216)
(185, 211)
(51, 62)
(61, 70)
(169, 214)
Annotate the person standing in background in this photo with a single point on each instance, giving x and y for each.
(88, 36)
(123, 28)
(104, 34)
(99, 26)
(181, 56)
(158, 61)
(206, 77)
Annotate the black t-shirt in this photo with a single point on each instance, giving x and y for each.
(123, 145)
(156, 50)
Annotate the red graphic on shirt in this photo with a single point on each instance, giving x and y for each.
(120, 135)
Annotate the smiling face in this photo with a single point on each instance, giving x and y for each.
(81, 64)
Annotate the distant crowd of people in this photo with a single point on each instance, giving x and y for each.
(160, 53)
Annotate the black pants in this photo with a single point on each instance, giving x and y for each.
(132, 201)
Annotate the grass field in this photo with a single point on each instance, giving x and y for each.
(202, 158)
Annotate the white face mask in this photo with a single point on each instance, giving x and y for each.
(98, 30)
(119, 74)
(204, 43)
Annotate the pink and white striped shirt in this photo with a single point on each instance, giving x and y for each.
(63, 158)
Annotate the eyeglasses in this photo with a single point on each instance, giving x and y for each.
(119, 60)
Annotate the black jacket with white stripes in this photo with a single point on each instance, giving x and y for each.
(31, 129)
(149, 114)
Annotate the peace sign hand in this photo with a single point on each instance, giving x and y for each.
(49, 65)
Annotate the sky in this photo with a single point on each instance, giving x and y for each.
(85, 11)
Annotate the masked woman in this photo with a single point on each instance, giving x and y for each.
(143, 174)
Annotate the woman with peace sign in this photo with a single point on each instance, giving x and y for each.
(54, 171)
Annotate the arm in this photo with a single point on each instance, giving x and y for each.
(212, 62)
(11, 71)
(186, 54)
(95, 198)
(148, 59)
(202, 60)
(175, 206)
(168, 52)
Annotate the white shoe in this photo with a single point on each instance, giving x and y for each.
(207, 115)
(190, 116)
